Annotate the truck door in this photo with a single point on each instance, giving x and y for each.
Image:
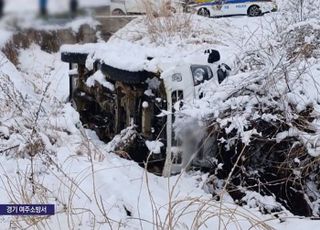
(236, 7)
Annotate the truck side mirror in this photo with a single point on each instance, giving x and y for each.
(223, 72)
(213, 56)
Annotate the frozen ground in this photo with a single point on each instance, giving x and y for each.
(91, 186)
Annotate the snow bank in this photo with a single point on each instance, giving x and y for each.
(9, 71)
(133, 50)
(5, 37)
(45, 70)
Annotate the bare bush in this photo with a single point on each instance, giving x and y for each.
(300, 10)
(165, 21)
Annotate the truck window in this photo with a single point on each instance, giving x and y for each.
(177, 96)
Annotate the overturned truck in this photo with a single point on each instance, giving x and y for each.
(142, 94)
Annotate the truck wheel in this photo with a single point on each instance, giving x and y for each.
(117, 12)
(204, 12)
(114, 74)
(254, 11)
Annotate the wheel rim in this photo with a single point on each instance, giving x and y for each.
(117, 12)
(203, 12)
(254, 11)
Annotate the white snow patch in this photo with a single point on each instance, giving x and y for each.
(145, 104)
(4, 131)
(154, 146)
(100, 78)
(45, 70)
(5, 37)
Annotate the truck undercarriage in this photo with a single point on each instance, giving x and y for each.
(110, 100)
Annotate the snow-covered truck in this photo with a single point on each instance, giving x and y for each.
(117, 88)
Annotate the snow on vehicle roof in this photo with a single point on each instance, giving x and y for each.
(134, 49)
(127, 56)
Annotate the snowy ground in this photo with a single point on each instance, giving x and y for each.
(91, 187)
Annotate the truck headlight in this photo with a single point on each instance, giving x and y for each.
(177, 77)
(201, 73)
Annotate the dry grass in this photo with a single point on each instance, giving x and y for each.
(162, 23)
(199, 212)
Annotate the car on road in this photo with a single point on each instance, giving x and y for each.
(125, 7)
(218, 8)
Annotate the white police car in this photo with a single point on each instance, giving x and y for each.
(251, 8)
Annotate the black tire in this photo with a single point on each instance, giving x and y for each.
(117, 12)
(79, 58)
(114, 74)
(204, 12)
(214, 56)
(254, 11)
